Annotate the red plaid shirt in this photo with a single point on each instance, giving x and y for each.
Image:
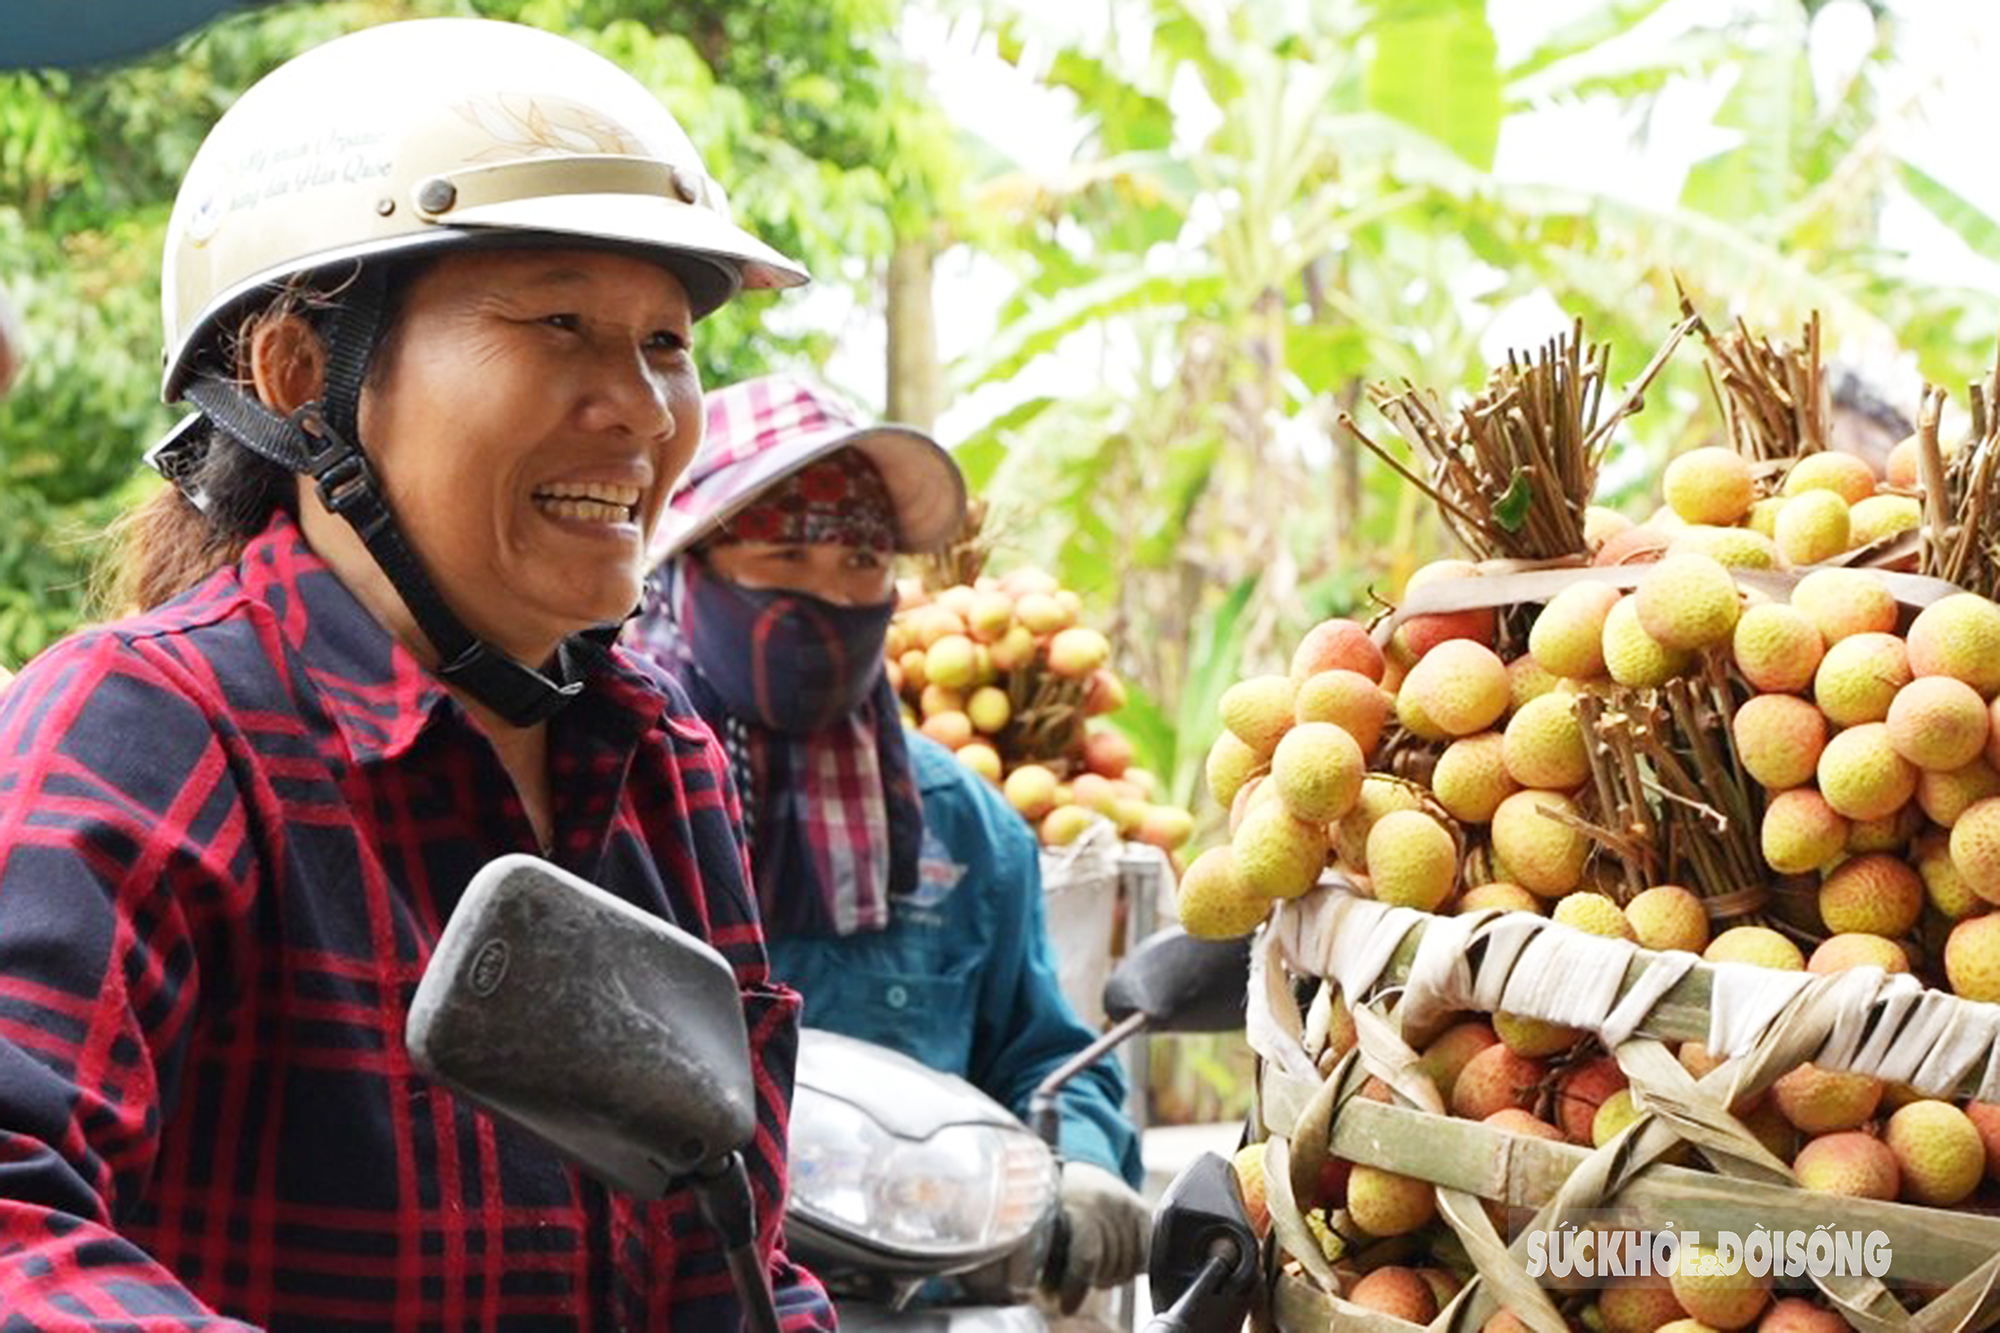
(233, 829)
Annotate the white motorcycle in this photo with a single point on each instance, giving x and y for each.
(924, 1205)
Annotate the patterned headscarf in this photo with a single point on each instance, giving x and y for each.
(839, 499)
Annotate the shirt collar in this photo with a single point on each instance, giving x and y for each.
(377, 694)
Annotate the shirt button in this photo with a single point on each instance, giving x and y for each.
(896, 996)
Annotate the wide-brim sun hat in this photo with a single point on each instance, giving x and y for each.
(764, 430)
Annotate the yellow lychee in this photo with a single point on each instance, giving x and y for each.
(1528, 680)
(1958, 636)
(1634, 657)
(1944, 797)
(1938, 722)
(1944, 886)
(1709, 485)
(1688, 602)
(1412, 860)
(1859, 678)
(1810, 527)
(1777, 647)
(1722, 1296)
(1349, 700)
(1779, 738)
(1849, 476)
(1801, 832)
(1212, 902)
(1544, 744)
(1231, 763)
(1759, 946)
(1460, 686)
(1842, 602)
(1380, 794)
(1837, 953)
(1975, 848)
(1939, 1150)
(1567, 638)
(1500, 896)
(1822, 1101)
(1849, 1163)
(1471, 777)
(1383, 1203)
(1545, 854)
(1972, 958)
(1317, 770)
(1277, 854)
(1862, 776)
(1878, 894)
(1733, 548)
(1881, 516)
(1668, 916)
(1259, 711)
(1594, 914)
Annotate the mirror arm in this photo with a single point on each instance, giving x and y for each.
(1223, 1257)
(723, 1193)
(1043, 1117)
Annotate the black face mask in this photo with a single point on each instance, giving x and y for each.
(789, 661)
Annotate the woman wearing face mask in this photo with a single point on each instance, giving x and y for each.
(432, 289)
(901, 894)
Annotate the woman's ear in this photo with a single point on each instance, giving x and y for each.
(287, 363)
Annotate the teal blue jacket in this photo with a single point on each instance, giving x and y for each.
(964, 979)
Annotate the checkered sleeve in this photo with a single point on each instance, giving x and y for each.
(122, 860)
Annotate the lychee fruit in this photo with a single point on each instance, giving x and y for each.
(1880, 516)
(1779, 738)
(1945, 888)
(1972, 958)
(1859, 678)
(1847, 475)
(1421, 633)
(1842, 602)
(1618, 1111)
(1801, 832)
(1985, 1117)
(1876, 894)
(1544, 854)
(1667, 917)
(1632, 656)
(1337, 644)
(1528, 681)
(1231, 763)
(1212, 902)
(1777, 647)
(1733, 548)
(1277, 854)
(1383, 1203)
(1460, 686)
(1709, 485)
(1688, 602)
(1975, 848)
(1077, 651)
(1759, 946)
(1259, 711)
(1380, 794)
(1449, 1051)
(1641, 544)
(1248, 1164)
(1939, 1150)
(1534, 1037)
(1862, 776)
(1837, 953)
(1317, 770)
(1821, 1101)
(1396, 1291)
(1494, 1079)
(1640, 1305)
(1471, 777)
(1582, 1090)
(1848, 1163)
(1349, 700)
(1412, 860)
(1810, 527)
(1715, 1295)
(1944, 797)
(1938, 722)
(1567, 638)
(1594, 914)
(1498, 896)
(1600, 524)
(1516, 1121)
(1958, 636)
(1796, 1314)
(1545, 746)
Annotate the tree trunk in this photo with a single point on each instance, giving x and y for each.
(916, 382)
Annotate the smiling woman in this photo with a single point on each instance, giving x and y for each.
(431, 289)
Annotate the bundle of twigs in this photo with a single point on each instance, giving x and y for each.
(964, 559)
(1046, 725)
(1773, 396)
(1674, 803)
(1961, 529)
(1512, 471)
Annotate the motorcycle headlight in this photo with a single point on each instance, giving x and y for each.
(965, 1190)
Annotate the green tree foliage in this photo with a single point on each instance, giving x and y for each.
(802, 108)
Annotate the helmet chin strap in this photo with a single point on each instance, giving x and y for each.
(318, 441)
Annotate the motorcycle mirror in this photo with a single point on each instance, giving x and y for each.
(1202, 1269)
(610, 1033)
(1181, 983)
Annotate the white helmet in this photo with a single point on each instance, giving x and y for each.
(406, 135)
